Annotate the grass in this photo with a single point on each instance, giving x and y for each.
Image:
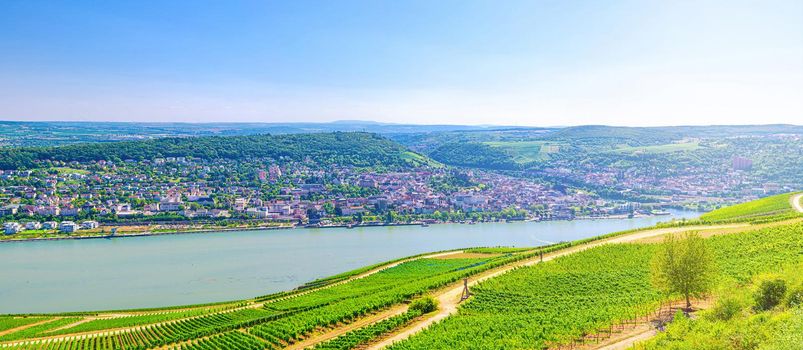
(777, 205)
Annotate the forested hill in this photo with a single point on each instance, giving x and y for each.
(346, 148)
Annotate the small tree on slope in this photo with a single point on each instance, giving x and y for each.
(683, 266)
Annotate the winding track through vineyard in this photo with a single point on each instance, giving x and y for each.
(797, 202)
(449, 298)
(501, 310)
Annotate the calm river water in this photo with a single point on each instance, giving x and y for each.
(118, 273)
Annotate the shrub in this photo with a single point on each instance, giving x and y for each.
(424, 304)
(726, 308)
(795, 297)
(769, 294)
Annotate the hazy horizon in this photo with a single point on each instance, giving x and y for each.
(375, 122)
(356, 121)
(519, 63)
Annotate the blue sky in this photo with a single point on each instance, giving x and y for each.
(469, 62)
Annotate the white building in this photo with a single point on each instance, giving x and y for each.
(89, 224)
(33, 225)
(68, 227)
(170, 205)
(49, 210)
(50, 225)
(11, 228)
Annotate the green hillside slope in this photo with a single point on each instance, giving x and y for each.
(777, 206)
(347, 148)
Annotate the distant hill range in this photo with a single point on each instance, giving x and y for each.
(18, 133)
(21, 133)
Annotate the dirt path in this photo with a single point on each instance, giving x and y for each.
(797, 202)
(641, 333)
(23, 327)
(449, 298)
(646, 329)
(362, 322)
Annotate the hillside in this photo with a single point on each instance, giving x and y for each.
(347, 148)
(472, 154)
(769, 208)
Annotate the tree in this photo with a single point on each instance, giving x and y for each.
(424, 304)
(683, 266)
(769, 294)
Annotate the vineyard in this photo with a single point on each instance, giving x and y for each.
(230, 340)
(11, 322)
(743, 255)
(763, 209)
(278, 321)
(588, 292)
(362, 335)
(551, 302)
(130, 321)
(40, 329)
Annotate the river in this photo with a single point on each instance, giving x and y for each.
(137, 272)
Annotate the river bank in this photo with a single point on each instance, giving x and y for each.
(54, 236)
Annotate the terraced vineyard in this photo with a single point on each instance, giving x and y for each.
(40, 329)
(561, 300)
(776, 207)
(130, 321)
(231, 340)
(11, 322)
(274, 321)
(347, 302)
(549, 302)
(365, 334)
